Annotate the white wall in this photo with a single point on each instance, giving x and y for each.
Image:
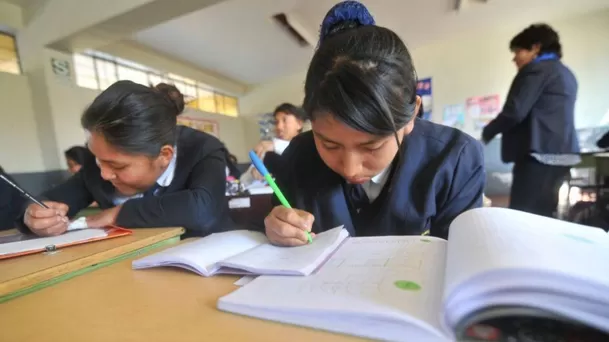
(480, 64)
(19, 143)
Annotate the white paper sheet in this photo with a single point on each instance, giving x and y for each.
(42, 242)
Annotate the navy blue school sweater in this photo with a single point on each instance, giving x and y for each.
(437, 174)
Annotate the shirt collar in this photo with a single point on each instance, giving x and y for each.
(167, 176)
(381, 178)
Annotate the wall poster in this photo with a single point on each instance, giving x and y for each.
(454, 116)
(424, 91)
(203, 125)
(482, 109)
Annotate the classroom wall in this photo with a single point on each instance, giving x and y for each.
(480, 64)
(19, 143)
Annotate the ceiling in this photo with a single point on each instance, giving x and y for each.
(238, 39)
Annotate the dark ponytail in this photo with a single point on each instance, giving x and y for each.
(361, 73)
(134, 118)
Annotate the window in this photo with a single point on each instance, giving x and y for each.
(97, 70)
(9, 59)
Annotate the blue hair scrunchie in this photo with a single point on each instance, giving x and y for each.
(345, 11)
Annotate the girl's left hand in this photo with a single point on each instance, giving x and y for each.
(104, 219)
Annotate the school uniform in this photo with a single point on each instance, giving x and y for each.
(437, 174)
(189, 193)
(538, 133)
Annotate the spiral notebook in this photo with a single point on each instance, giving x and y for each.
(414, 288)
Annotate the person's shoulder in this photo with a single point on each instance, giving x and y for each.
(193, 142)
(440, 135)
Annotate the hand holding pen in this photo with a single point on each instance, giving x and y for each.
(284, 226)
(43, 218)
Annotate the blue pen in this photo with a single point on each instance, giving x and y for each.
(259, 165)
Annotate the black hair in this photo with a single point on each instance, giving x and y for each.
(542, 34)
(291, 109)
(362, 74)
(78, 154)
(134, 118)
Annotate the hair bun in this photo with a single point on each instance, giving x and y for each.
(344, 16)
(173, 94)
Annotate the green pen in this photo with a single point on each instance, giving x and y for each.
(267, 176)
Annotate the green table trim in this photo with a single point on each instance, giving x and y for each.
(85, 270)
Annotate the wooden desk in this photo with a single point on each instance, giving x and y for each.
(117, 303)
(22, 275)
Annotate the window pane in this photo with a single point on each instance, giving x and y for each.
(136, 76)
(156, 79)
(86, 82)
(219, 103)
(206, 101)
(106, 73)
(231, 106)
(9, 62)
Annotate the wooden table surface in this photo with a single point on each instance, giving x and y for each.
(117, 303)
(27, 272)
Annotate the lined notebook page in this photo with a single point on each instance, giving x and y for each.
(203, 254)
(374, 278)
(42, 242)
(486, 239)
(304, 259)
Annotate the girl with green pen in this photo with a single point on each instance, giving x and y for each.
(368, 163)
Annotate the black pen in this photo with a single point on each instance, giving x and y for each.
(23, 192)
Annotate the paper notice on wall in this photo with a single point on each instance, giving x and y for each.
(482, 109)
(454, 116)
(424, 91)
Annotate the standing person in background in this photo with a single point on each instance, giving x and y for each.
(147, 172)
(76, 157)
(289, 121)
(537, 121)
(11, 204)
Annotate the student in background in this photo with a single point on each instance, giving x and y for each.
(76, 157)
(11, 203)
(537, 121)
(289, 121)
(147, 171)
(368, 163)
(232, 171)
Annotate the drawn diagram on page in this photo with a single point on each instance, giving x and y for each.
(386, 266)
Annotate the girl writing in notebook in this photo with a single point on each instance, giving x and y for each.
(147, 171)
(368, 163)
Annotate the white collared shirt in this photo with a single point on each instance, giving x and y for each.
(375, 185)
(279, 145)
(164, 180)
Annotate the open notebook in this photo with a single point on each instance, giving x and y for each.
(246, 252)
(423, 289)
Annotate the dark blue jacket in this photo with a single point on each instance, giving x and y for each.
(439, 174)
(538, 115)
(194, 200)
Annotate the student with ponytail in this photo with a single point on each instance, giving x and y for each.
(368, 163)
(147, 171)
